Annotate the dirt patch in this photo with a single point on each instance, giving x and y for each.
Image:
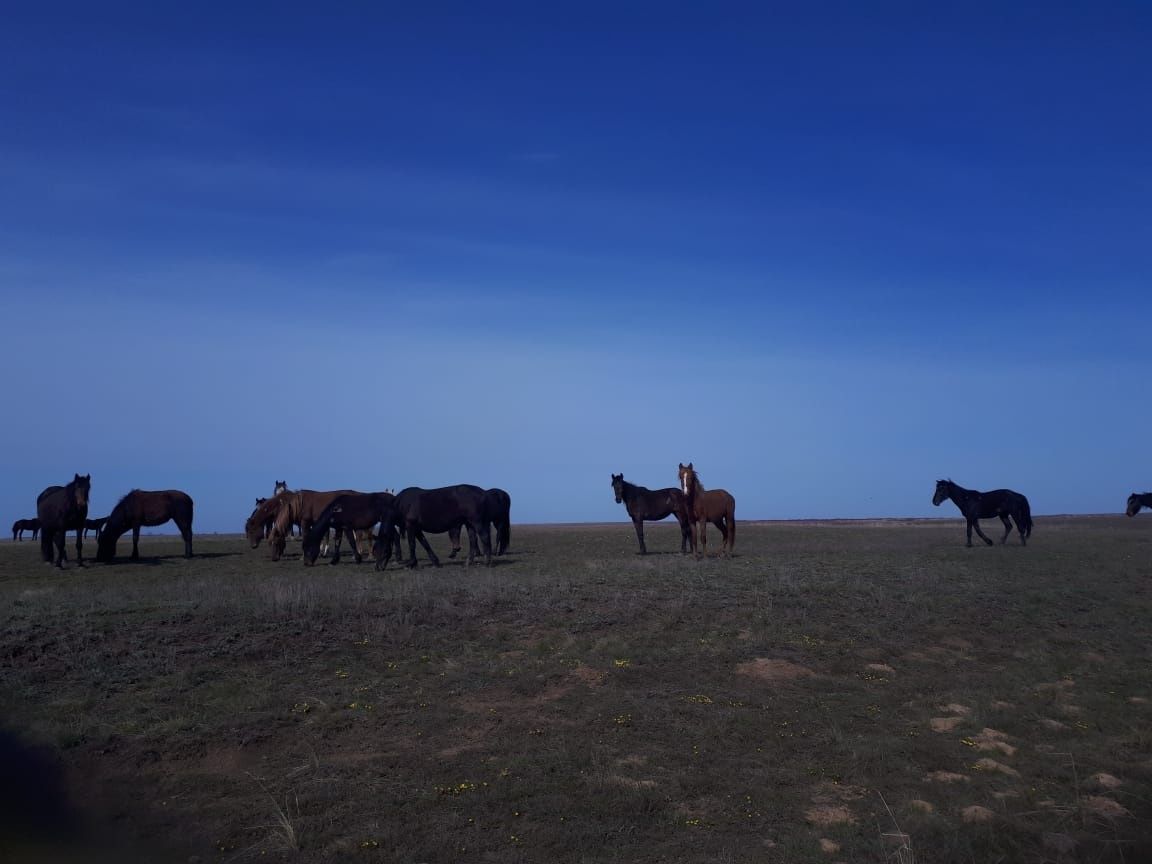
(987, 764)
(1105, 781)
(956, 642)
(829, 814)
(922, 805)
(881, 668)
(948, 777)
(1002, 706)
(976, 813)
(773, 671)
(829, 847)
(1105, 807)
(993, 739)
(1055, 686)
(591, 677)
(944, 724)
(1053, 725)
(956, 708)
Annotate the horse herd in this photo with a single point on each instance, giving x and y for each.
(414, 511)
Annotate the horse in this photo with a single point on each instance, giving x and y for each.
(652, 505)
(259, 525)
(280, 488)
(984, 505)
(1135, 501)
(22, 525)
(96, 525)
(417, 510)
(61, 509)
(346, 514)
(145, 509)
(301, 507)
(498, 512)
(716, 506)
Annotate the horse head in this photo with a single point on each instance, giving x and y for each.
(281, 486)
(943, 489)
(81, 486)
(688, 478)
(618, 487)
(1134, 504)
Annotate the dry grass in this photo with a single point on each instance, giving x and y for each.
(581, 703)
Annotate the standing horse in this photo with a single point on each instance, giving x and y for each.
(652, 505)
(96, 525)
(345, 514)
(984, 505)
(1135, 501)
(281, 488)
(145, 509)
(417, 510)
(61, 509)
(716, 506)
(22, 525)
(498, 512)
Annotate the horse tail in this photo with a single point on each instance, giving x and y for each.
(503, 533)
(730, 518)
(1025, 516)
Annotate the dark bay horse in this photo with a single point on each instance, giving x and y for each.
(708, 505)
(145, 509)
(417, 510)
(22, 525)
(652, 505)
(984, 505)
(96, 525)
(1135, 501)
(61, 509)
(498, 512)
(345, 514)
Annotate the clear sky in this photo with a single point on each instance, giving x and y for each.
(829, 252)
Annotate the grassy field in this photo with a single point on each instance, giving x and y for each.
(836, 692)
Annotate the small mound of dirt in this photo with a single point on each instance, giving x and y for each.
(829, 814)
(1106, 781)
(992, 765)
(976, 813)
(922, 805)
(1053, 725)
(948, 777)
(882, 668)
(999, 705)
(830, 847)
(955, 708)
(993, 739)
(767, 669)
(945, 724)
(1105, 807)
(591, 677)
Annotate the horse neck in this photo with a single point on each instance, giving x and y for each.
(959, 495)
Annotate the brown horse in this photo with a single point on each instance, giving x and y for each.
(715, 506)
(145, 509)
(61, 509)
(259, 525)
(302, 508)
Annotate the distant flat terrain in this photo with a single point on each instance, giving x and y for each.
(846, 690)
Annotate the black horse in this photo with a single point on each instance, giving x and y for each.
(498, 512)
(61, 509)
(984, 505)
(345, 514)
(96, 525)
(22, 525)
(417, 510)
(652, 505)
(1135, 501)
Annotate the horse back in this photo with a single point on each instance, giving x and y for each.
(439, 510)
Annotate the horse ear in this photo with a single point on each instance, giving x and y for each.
(689, 466)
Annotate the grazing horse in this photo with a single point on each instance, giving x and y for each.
(345, 514)
(984, 505)
(61, 509)
(498, 512)
(259, 525)
(417, 510)
(301, 507)
(1135, 501)
(652, 505)
(145, 509)
(281, 488)
(716, 506)
(22, 525)
(96, 525)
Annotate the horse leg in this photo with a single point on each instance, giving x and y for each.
(186, 533)
(702, 527)
(337, 542)
(1007, 528)
(639, 523)
(354, 544)
(419, 535)
(79, 547)
(723, 528)
(60, 538)
(1019, 529)
(484, 532)
(454, 536)
(136, 543)
(975, 523)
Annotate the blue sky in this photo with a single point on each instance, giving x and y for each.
(829, 252)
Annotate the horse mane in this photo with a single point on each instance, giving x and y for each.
(126, 496)
(696, 480)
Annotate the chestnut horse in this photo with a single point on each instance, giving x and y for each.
(704, 506)
(1135, 501)
(140, 509)
(61, 509)
(302, 508)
